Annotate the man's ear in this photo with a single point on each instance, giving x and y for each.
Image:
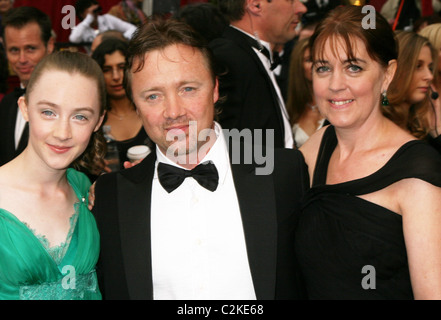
(216, 91)
(50, 45)
(23, 107)
(254, 6)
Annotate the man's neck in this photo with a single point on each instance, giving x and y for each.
(247, 27)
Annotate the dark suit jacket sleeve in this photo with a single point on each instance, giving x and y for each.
(248, 99)
(291, 182)
(110, 263)
(8, 116)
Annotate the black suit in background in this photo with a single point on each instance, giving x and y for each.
(8, 117)
(269, 206)
(250, 99)
(316, 12)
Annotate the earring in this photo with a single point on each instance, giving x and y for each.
(384, 100)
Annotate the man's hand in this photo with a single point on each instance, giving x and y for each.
(91, 10)
(91, 196)
(128, 164)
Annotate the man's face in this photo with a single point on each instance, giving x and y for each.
(173, 92)
(280, 19)
(5, 5)
(25, 48)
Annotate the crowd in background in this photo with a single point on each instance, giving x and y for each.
(290, 81)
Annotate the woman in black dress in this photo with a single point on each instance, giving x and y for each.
(371, 222)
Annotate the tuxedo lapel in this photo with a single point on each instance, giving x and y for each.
(258, 210)
(22, 144)
(134, 196)
(241, 39)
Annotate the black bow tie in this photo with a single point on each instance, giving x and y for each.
(261, 48)
(171, 177)
(20, 91)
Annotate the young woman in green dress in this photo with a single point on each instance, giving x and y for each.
(49, 242)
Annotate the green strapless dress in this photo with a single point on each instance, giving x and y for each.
(31, 270)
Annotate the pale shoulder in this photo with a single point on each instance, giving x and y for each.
(417, 195)
(311, 147)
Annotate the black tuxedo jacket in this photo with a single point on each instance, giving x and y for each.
(8, 117)
(269, 206)
(250, 100)
(316, 13)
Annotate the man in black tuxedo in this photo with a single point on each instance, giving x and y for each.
(27, 39)
(191, 221)
(252, 98)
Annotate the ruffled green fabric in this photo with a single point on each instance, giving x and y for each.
(29, 271)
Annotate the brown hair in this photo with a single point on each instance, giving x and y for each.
(158, 35)
(77, 63)
(433, 34)
(300, 92)
(410, 45)
(346, 23)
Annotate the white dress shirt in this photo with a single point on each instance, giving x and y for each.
(20, 124)
(198, 244)
(83, 32)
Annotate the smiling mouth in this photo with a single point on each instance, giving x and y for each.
(341, 102)
(178, 129)
(59, 149)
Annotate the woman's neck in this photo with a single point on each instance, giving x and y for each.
(122, 105)
(33, 173)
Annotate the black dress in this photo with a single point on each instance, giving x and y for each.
(340, 234)
(140, 139)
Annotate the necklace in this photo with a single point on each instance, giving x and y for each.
(119, 117)
(313, 108)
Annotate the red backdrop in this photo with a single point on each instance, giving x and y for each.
(53, 9)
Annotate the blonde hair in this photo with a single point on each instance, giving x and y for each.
(410, 45)
(433, 33)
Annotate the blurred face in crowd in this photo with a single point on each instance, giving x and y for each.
(307, 64)
(5, 6)
(422, 77)
(25, 48)
(280, 19)
(113, 70)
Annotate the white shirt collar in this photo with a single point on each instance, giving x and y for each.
(266, 44)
